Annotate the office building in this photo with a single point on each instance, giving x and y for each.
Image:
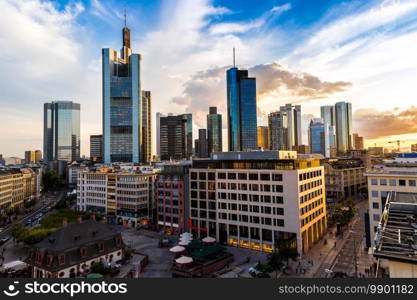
(38, 156)
(319, 137)
(174, 137)
(61, 135)
(302, 149)
(278, 131)
(343, 112)
(395, 241)
(344, 178)
(172, 198)
(158, 131)
(256, 200)
(241, 111)
(293, 114)
(357, 142)
(146, 127)
(263, 137)
(394, 175)
(201, 147)
(96, 148)
(122, 104)
(30, 157)
(73, 170)
(327, 113)
(214, 131)
(18, 186)
(123, 195)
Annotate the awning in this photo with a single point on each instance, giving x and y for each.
(177, 249)
(209, 240)
(184, 260)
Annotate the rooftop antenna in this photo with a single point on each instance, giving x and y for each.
(125, 15)
(234, 57)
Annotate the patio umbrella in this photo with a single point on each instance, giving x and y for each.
(94, 275)
(209, 240)
(189, 238)
(184, 243)
(177, 249)
(187, 234)
(184, 260)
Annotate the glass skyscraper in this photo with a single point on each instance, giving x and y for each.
(278, 131)
(294, 135)
(61, 134)
(327, 113)
(241, 111)
(343, 112)
(214, 131)
(319, 137)
(122, 116)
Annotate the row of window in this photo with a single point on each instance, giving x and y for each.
(394, 182)
(309, 175)
(252, 208)
(311, 206)
(251, 198)
(311, 195)
(311, 217)
(310, 185)
(252, 219)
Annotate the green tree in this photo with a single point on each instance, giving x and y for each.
(19, 232)
(50, 180)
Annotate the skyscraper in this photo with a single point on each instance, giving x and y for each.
(357, 141)
(241, 111)
(30, 157)
(188, 121)
(343, 112)
(174, 138)
(319, 137)
(146, 127)
(278, 131)
(263, 137)
(201, 144)
(122, 109)
(61, 134)
(327, 113)
(158, 131)
(293, 113)
(38, 155)
(214, 131)
(96, 148)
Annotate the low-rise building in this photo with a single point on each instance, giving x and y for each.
(124, 195)
(70, 251)
(256, 200)
(172, 198)
(344, 178)
(396, 238)
(73, 170)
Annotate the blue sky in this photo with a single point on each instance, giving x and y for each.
(309, 52)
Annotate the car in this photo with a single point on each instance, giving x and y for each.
(4, 240)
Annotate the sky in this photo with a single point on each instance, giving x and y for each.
(311, 53)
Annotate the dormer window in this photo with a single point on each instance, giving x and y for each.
(100, 247)
(49, 260)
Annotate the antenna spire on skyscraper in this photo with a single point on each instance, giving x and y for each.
(125, 16)
(234, 57)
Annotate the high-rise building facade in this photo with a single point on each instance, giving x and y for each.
(358, 142)
(319, 137)
(38, 156)
(343, 112)
(30, 157)
(327, 113)
(293, 114)
(241, 111)
(96, 148)
(201, 149)
(146, 127)
(278, 131)
(214, 131)
(61, 135)
(122, 109)
(158, 131)
(263, 137)
(174, 137)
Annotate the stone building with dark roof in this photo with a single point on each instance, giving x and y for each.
(70, 251)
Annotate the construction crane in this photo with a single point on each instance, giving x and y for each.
(399, 142)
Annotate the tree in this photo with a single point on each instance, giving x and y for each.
(50, 180)
(19, 232)
(283, 252)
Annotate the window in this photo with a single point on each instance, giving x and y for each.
(393, 182)
(280, 223)
(231, 176)
(375, 205)
(243, 176)
(383, 182)
(376, 218)
(212, 176)
(402, 182)
(62, 259)
(277, 177)
(253, 177)
(221, 175)
(412, 183)
(374, 182)
(375, 194)
(265, 177)
(193, 175)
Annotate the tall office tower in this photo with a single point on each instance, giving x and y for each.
(158, 131)
(173, 137)
(96, 148)
(319, 137)
(357, 142)
(38, 156)
(188, 121)
(29, 157)
(122, 109)
(343, 112)
(327, 113)
(214, 131)
(278, 131)
(61, 131)
(201, 148)
(293, 113)
(146, 127)
(263, 137)
(241, 111)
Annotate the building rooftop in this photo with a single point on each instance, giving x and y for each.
(396, 237)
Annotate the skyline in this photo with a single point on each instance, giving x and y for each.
(360, 52)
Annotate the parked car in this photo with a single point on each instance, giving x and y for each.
(4, 240)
